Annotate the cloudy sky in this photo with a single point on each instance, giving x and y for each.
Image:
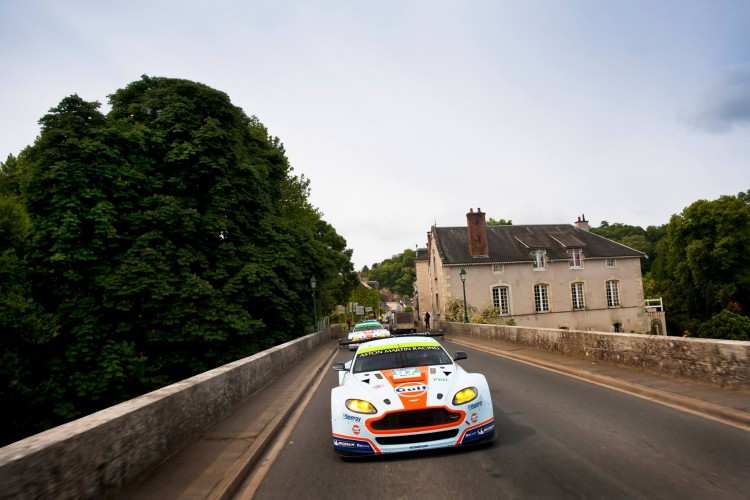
(407, 113)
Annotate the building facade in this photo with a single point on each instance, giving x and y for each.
(543, 276)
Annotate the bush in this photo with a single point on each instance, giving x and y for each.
(454, 310)
(486, 315)
(726, 325)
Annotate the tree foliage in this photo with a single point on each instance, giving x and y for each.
(704, 259)
(499, 222)
(366, 297)
(644, 240)
(152, 243)
(397, 273)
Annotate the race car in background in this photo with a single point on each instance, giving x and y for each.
(366, 330)
(406, 393)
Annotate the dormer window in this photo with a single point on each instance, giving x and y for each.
(537, 260)
(576, 257)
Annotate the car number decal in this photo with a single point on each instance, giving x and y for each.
(400, 373)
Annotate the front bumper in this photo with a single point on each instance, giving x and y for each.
(360, 441)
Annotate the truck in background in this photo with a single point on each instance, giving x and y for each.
(403, 321)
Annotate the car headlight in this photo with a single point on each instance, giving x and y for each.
(465, 395)
(360, 406)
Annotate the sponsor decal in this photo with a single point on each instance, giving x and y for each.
(378, 386)
(433, 371)
(417, 346)
(473, 406)
(479, 433)
(440, 379)
(355, 429)
(352, 418)
(343, 443)
(417, 446)
(353, 444)
(405, 373)
(411, 389)
(486, 429)
(474, 418)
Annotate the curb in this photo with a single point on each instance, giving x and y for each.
(243, 467)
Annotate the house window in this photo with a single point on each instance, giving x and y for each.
(497, 268)
(575, 257)
(537, 260)
(541, 298)
(611, 262)
(500, 299)
(576, 296)
(613, 293)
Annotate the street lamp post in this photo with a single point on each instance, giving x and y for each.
(463, 283)
(315, 308)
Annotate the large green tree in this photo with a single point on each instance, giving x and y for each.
(25, 327)
(704, 259)
(165, 238)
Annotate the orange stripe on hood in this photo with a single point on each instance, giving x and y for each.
(410, 387)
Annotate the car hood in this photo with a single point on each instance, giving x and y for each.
(407, 388)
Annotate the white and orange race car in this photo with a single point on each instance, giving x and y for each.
(366, 330)
(406, 393)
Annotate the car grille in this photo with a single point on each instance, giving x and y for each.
(411, 419)
(417, 438)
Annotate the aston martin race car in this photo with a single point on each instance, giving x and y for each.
(370, 329)
(406, 393)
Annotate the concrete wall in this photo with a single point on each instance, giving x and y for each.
(725, 363)
(100, 452)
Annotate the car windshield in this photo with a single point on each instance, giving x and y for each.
(368, 326)
(400, 358)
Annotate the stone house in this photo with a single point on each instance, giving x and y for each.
(542, 276)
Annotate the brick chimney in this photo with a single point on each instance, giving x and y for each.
(477, 227)
(582, 223)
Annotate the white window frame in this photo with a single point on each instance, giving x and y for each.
(611, 263)
(576, 258)
(497, 268)
(538, 260)
(577, 296)
(613, 293)
(541, 298)
(501, 298)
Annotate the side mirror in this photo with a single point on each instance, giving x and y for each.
(459, 355)
(339, 367)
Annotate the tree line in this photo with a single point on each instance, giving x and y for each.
(142, 246)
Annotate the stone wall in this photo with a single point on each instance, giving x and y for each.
(100, 452)
(725, 363)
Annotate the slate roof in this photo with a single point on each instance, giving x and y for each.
(508, 244)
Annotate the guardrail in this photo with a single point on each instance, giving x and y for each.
(99, 453)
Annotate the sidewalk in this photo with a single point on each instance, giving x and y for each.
(728, 406)
(215, 464)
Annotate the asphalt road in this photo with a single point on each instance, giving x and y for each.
(559, 437)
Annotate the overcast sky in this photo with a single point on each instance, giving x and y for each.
(404, 114)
